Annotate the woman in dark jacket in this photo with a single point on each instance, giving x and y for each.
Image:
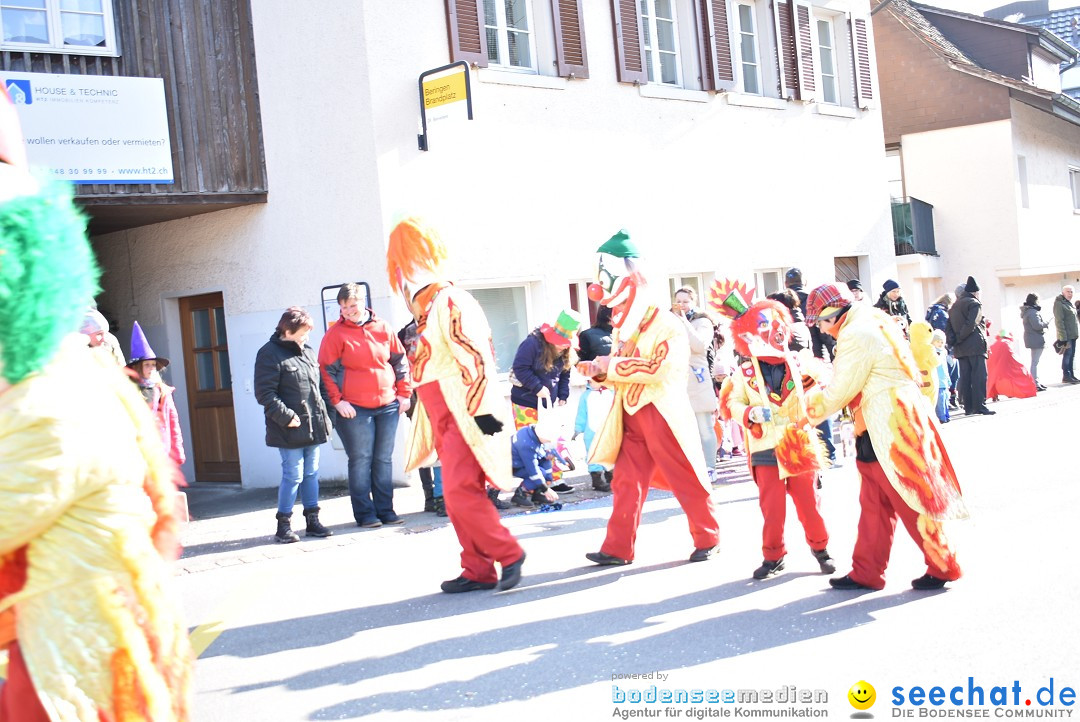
(541, 369)
(1034, 330)
(288, 385)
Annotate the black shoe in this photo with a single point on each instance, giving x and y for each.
(983, 411)
(608, 476)
(511, 574)
(493, 494)
(768, 569)
(563, 488)
(521, 498)
(370, 524)
(392, 520)
(440, 506)
(285, 534)
(598, 483)
(1039, 387)
(1070, 380)
(704, 554)
(606, 560)
(462, 584)
(927, 581)
(314, 526)
(828, 566)
(846, 583)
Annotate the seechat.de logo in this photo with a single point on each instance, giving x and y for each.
(19, 91)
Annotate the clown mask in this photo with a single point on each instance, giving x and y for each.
(763, 331)
(623, 294)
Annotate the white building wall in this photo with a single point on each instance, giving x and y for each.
(967, 174)
(524, 193)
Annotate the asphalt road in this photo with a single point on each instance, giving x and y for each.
(359, 629)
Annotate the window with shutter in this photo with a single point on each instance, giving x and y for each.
(467, 42)
(864, 87)
(749, 59)
(717, 65)
(629, 48)
(570, 58)
(660, 40)
(829, 86)
(508, 34)
(787, 57)
(803, 32)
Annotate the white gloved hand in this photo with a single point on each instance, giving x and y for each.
(759, 414)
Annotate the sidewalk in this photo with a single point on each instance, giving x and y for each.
(230, 525)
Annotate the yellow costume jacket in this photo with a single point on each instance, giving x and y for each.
(875, 374)
(650, 368)
(454, 351)
(798, 449)
(87, 493)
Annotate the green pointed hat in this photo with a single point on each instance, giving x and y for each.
(620, 246)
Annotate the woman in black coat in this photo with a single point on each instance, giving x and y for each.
(288, 385)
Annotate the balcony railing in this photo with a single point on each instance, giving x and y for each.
(913, 227)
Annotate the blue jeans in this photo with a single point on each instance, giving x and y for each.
(825, 429)
(299, 470)
(368, 438)
(942, 405)
(1067, 359)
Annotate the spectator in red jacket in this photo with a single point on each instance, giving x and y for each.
(366, 377)
(147, 366)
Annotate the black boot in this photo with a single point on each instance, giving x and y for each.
(285, 533)
(521, 498)
(429, 489)
(498, 503)
(314, 526)
(440, 506)
(598, 483)
(826, 562)
(608, 476)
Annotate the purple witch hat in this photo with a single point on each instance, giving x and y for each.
(141, 351)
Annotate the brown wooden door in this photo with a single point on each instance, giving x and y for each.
(209, 385)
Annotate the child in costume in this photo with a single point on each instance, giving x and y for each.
(458, 407)
(767, 394)
(941, 375)
(1006, 375)
(158, 395)
(926, 358)
(532, 464)
(650, 435)
(87, 529)
(899, 453)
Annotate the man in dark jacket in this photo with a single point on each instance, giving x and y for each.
(970, 349)
(892, 302)
(819, 342)
(288, 386)
(1065, 322)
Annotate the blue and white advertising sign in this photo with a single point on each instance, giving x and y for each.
(94, 128)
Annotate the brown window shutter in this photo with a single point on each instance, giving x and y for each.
(804, 45)
(570, 58)
(629, 43)
(787, 56)
(717, 71)
(860, 45)
(465, 25)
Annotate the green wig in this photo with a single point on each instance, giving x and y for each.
(48, 276)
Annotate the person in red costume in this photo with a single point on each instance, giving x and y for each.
(458, 407)
(905, 471)
(767, 394)
(1006, 374)
(650, 435)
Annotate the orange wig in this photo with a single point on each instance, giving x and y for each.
(413, 247)
(767, 311)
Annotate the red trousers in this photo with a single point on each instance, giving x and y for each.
(18, 698)
(483, 538)
(881, 506)
(648, 447)
(772, 496)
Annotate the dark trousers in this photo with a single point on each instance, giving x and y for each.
(1067, 360)
(973, 382)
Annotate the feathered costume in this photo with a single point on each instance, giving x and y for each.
(87, 529)
(784, 452)
(459, 411)
(901, 458)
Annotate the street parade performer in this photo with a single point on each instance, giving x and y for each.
(459, 410)
(88, 620)
(650, 434)
(767, 395)
(901, 458)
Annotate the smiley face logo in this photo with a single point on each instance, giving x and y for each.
(862, 695)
